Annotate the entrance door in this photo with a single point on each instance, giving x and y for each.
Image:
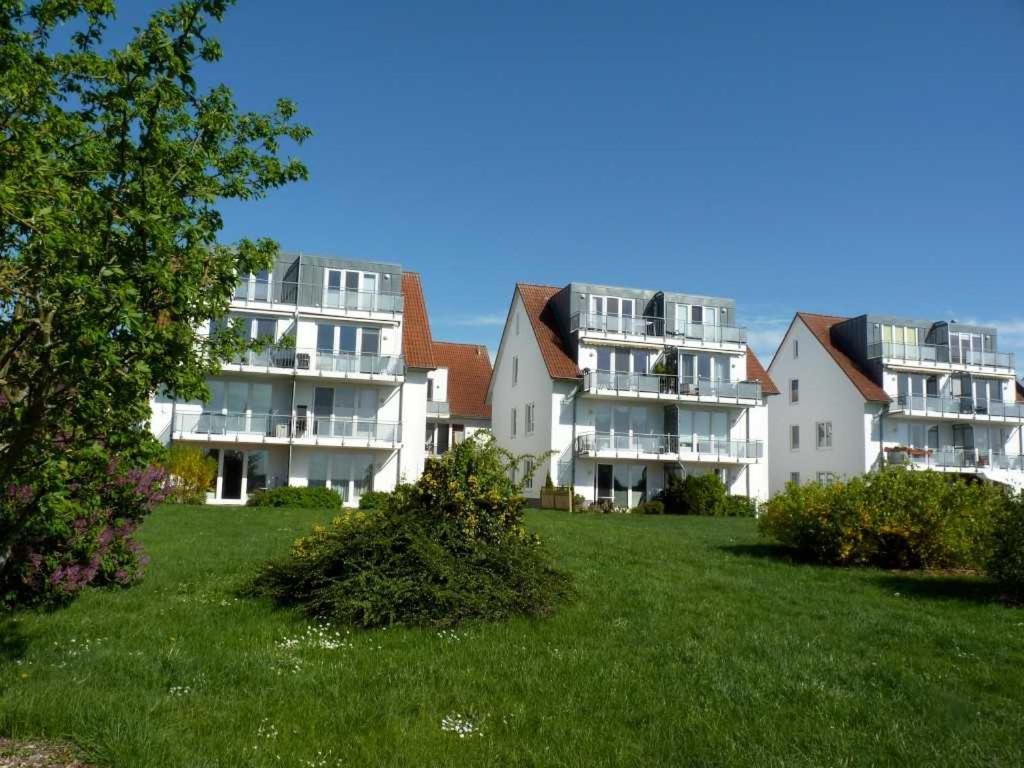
(604, 482)
(231, 482)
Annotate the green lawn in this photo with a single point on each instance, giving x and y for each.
(689, 644)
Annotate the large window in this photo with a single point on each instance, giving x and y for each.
(239, 406)
(623, 484)
(345, 411)
(612, 313)
(350, 474)
(824, 432)
(702, 367)
(350, 289)
(702, 426)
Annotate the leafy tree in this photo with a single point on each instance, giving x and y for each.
(112, 165)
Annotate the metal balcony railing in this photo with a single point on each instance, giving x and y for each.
(293, 294)
(669, 384)
(286, 359)
(932, 405)
(211, 424)
(655, 327)
(939, 354)
(673, 445)
(949, 457)
(438, 408)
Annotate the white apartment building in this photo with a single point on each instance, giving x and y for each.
(624, 387)
(339, 396)
(861, 391)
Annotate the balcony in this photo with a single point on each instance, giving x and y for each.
(388, 369)
(439, 409)
(655, 386)
(940, 356)
(286, 429)
(289, 295)
(656, 330)
(653, 447)
(955, 459)
(957, 408)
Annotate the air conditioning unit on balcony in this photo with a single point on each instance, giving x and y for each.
(281, 430)
(302, 361)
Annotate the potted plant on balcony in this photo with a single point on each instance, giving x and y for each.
(668, 381)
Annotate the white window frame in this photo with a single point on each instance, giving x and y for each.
(528, 470)
(515, 369)
(794, 431)
(826, 478)
(514, 423)
(826, 443)
(794, 477)
(794, 391)
(529, 417)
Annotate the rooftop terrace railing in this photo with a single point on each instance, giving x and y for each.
(304, 359)
(939, 354)
(655, 327)
(295, 294)
(956, 406)
(669, 384)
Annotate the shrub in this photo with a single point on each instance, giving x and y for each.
(294, 496)
(191, 472)
(895, 518)
(653, 507)
(1006, 561)
(78, 532)
(450, 548)
(737, 506)
(702, 495)
(373, 500)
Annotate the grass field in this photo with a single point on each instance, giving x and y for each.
(690, 644)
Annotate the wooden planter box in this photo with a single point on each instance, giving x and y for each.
(555, 498)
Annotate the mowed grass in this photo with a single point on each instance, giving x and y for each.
(690, 644)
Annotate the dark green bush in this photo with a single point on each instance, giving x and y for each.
(896, 518)
(450, 548)
(703, 495)
(653, 507)
(737, 506)
(373, 499)
(294, 496)
(1006, 562)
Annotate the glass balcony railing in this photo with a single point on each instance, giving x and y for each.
(668, 384)
(293, 294)
(939, 354)
(655, 327)
(931, 405)
(668, 445)
(949, 457)
(437, 408)
(304, 360)
(259, 426)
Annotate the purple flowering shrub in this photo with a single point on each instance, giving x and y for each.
(79, 531)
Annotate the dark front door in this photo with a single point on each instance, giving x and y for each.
(231, 482)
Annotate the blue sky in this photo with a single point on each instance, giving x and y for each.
(838, 157)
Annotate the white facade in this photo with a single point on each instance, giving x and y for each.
(331, 401)
(922, 405)
(654, 395)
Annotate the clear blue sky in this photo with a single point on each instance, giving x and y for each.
(837, 157)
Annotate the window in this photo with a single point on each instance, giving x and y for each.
(514, 422)
(794, 477)
(515, 369)
(528, 473)
(796, 348)
(794, 390)
(824, 430)
(517, 322)
(794, 437)
(529, 417)
(826, 478)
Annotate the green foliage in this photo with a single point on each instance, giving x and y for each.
(895, 518)
(373, 499)
(192, 473)
(703, 495)
(113, 165)
(604, 506)
(450, 548)
(1006, 561)
(737, 506)
(294, 496)
(654, 507)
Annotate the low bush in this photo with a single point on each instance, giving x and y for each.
(373, 499)
(191, 472)
(703, 495)
(294, 496)
(737, 506)
(653, 507)
(895, 518)
(450, 548)
(1006, 561)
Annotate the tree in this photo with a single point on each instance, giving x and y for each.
(112, 165)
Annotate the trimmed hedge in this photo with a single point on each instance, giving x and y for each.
(293, 496)
(1006, 562)
(703, 495)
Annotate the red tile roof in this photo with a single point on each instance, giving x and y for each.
(820, 326)
(756, 372)
(536, 299)
(1020, 392)
(469, 373)
(417, 343)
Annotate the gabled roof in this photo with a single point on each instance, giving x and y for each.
(417, 343)
(756, 372)
(469, 373)
(821, 326)
(537, 301)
